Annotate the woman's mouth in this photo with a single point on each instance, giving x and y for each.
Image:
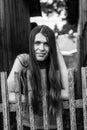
(40, 54)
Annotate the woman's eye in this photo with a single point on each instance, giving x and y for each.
(46, 43)
(37, 43)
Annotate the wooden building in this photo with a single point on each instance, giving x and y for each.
(83, 32)
(15, 28)
(82, 42)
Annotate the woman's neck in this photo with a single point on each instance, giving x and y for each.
(43, 64)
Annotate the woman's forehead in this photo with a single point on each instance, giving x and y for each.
(40, 37)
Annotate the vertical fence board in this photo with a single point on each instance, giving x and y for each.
(84, 84)
(44, 99)
(72, 101)
(19, 105)
(59, 121)
(4, 90)
(31, 114)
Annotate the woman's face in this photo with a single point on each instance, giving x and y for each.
(41, 47)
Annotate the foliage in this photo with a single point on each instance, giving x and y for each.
(48, 8)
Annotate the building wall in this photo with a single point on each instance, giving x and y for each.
(14, 30)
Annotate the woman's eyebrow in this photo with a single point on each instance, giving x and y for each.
(38, 41)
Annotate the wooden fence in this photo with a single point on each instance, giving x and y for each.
(24, 112)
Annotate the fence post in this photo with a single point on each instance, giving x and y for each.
(44, 98)
(19, 105)
(72, 100)
(59, 120)
(4, 90)
(84, 87)
(31, 114)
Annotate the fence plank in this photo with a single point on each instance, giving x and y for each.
(78, 104)
(5, 103)
(31, 114)
(44, 98)
(84, 84)
(59, 121)
(19, 105)
(72, 104)
(72, 101)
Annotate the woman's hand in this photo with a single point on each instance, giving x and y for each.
(13, 97)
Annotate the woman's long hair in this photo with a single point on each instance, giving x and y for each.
(54, 87)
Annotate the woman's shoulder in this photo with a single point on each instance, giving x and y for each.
(23, 56)
(24, 59)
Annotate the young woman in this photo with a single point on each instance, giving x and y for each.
(43, 54)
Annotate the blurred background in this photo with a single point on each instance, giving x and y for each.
(62, 17)
(19, 17)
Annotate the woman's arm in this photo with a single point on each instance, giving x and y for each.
(20, 63)
(64, 74)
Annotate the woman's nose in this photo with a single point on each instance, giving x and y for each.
(41, 46)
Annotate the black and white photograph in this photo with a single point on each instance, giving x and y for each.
(43, 65)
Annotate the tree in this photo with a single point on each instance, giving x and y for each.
(49, 8)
